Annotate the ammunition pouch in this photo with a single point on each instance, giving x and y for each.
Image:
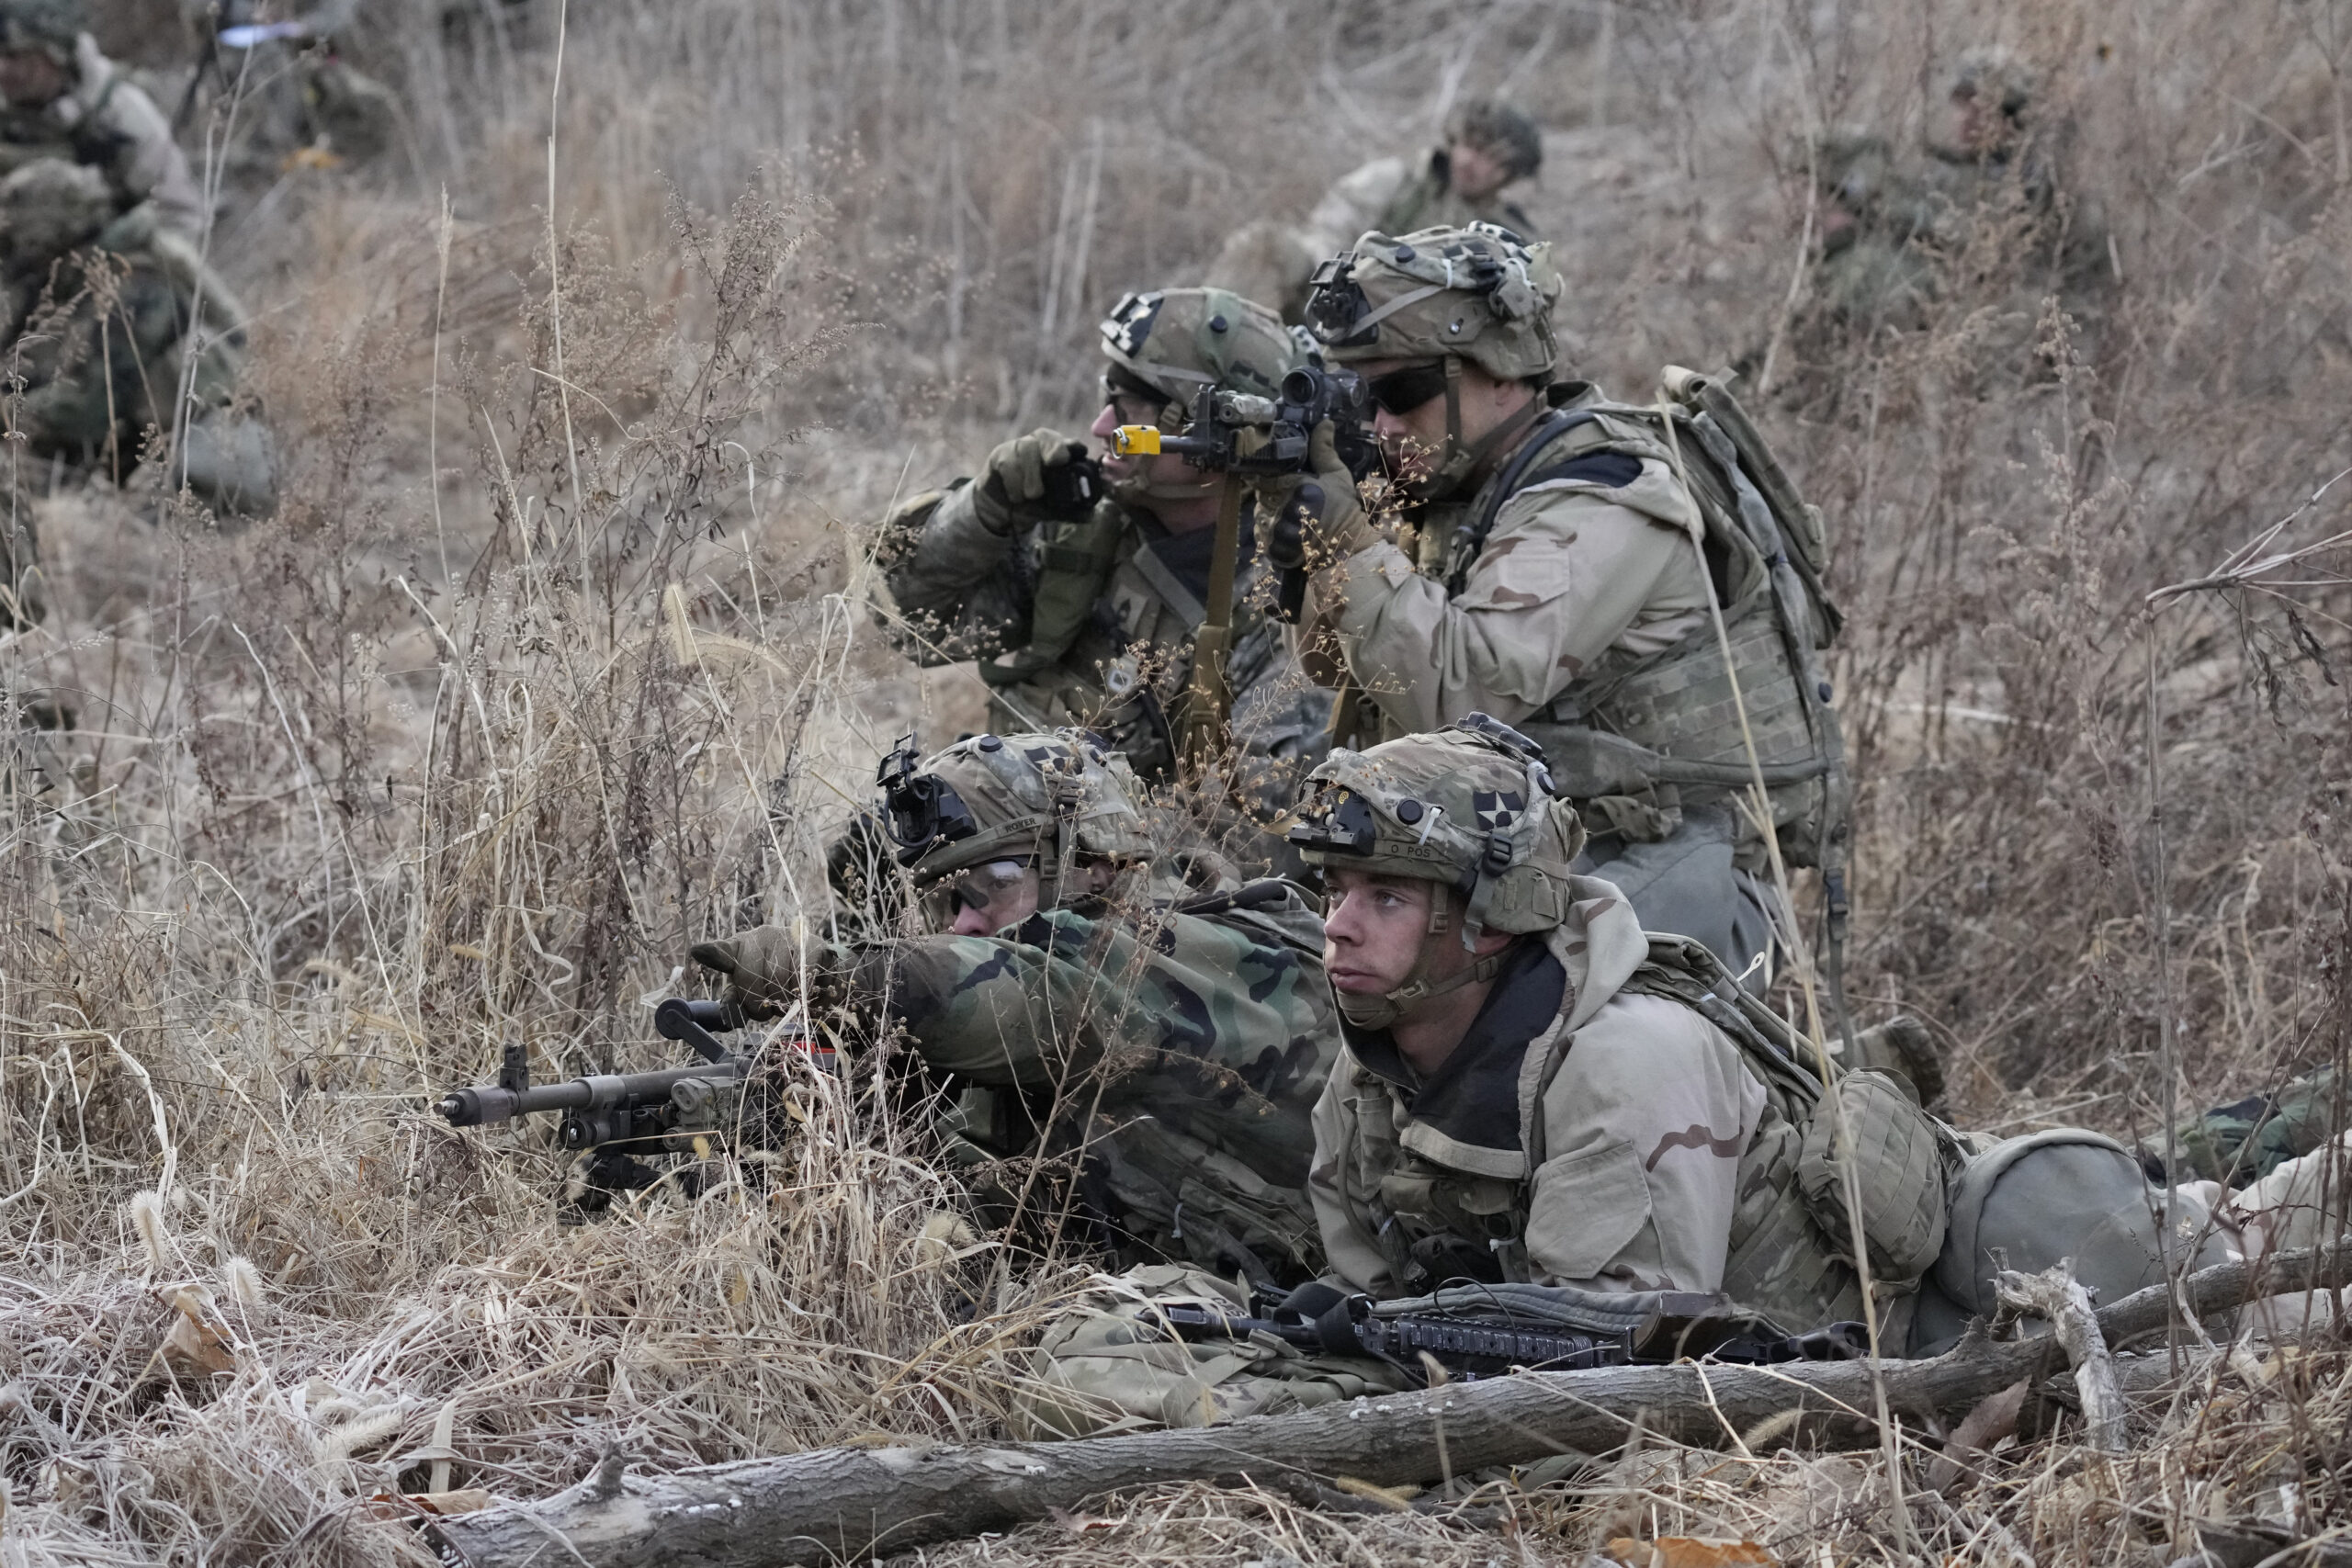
(1637, 744)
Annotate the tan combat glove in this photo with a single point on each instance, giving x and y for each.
(1013, 490)
(763, 967)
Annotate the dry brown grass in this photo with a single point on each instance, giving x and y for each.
(422, 765)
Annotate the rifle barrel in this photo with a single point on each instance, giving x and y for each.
(486, 1103)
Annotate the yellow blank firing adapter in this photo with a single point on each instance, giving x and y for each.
(1136, 441)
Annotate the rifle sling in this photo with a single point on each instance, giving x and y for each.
(1210, 700)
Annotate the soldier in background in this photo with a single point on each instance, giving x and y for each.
(107, 321)
(1489, 147)
(300, 104)
(1086, 1006)
(103, 287)
(65, 100)
(1086, 614)
(1988, 190)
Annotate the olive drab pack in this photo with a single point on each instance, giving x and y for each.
(1792, 1253)
(1637, 738)
(2061, 1193)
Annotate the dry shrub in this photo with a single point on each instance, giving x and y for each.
(552, 664)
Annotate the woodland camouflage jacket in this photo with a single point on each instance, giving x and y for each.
(966, 591)
(1193, 1049)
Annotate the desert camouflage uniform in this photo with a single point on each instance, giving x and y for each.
(965, 589)
(1619, 1173)
(1593, 1130)
(1588, 570)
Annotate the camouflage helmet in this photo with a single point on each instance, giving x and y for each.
(1504, 130)
(50, 26)
(1050, 800)
(46, 208)
(1478, 293)
(1997, 74)
(1472, 806)
(1173, 341)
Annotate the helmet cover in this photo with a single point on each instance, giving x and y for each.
(1478, 292)
(1503, 130)
(1176, 340)
(1472, 806)
(1045, 799)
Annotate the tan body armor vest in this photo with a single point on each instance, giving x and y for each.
(1637, 738)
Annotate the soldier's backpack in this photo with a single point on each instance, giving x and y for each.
(1647, 734)
(2066, 1194)
(1791, 1254)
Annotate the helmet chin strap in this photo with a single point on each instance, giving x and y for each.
(1064, 792)
(1454, 462)
(1383, 1012)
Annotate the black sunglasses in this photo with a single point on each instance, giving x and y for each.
(1401, 391)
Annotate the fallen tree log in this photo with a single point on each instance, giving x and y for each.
(830, 1504)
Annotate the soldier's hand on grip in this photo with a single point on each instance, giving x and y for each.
(763, 967)
(1018, 487)
(1344, 527)
(1315, 528)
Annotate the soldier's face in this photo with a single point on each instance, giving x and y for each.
(1474, 172)
(1166, 472)
(1373, 929)
(30, 79)
(990, 897)
(1411, 438)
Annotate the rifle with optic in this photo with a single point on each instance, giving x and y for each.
(1242, 435)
